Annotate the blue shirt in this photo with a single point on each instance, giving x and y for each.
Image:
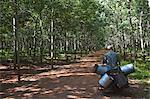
(111, 58)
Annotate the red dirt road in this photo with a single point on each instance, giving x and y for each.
(74, 81)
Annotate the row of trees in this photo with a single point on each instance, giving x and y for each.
(129, 29)
(35, 30)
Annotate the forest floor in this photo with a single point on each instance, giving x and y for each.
(73, 81)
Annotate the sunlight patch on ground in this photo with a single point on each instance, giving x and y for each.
(67, 87)
(53, 72)
(106, 97)
(10, 80)
(8, 98)
(73, 97)
(2, 93)
(138, 81)
(50, 74)
(28, 95)
(89, 59)
(47, 92)
(3, 67)
(75, 74)
(134, 81)
(147, 81)
(24, 88)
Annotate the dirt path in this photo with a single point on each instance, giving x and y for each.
(74, 81)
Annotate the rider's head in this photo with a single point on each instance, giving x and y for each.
(109, 47)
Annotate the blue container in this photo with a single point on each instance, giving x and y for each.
(105, 81)
(103, 69)
(127, 69)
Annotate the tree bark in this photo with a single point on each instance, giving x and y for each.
(74, 46)
(141, 32)
(15, 33)
(132, 32)
(52, 39)
(34, 42)
(124, 53)
(41, 41)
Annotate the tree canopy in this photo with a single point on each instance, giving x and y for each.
(37, 29)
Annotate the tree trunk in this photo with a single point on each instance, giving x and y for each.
(2, 48)
(52, 40)
(15, 33)
(34, 42)
(141, 32)
(132, 32)
(124, 54)
(66, 42)
(74, 46)
(41, 41)
(66, 46)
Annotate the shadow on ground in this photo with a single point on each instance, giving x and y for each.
(66, 86)
(72, 81)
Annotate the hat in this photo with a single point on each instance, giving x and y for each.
(109, 47)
